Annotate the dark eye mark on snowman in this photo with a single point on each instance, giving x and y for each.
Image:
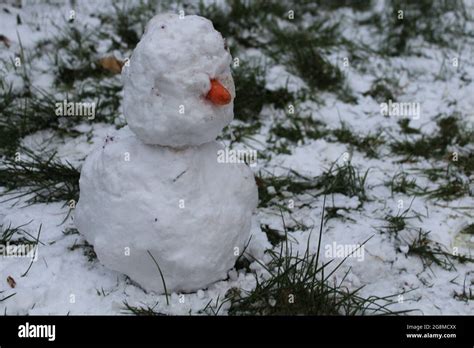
(107, 140)
(156, 219)
(155, 91)
(179, 175)
(163, 27)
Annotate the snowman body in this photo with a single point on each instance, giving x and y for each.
(155, 202)
(182, 206)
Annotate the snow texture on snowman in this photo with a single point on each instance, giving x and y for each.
(156, 186)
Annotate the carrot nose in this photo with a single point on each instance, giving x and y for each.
(218, 94)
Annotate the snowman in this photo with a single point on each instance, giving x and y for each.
(154, 200)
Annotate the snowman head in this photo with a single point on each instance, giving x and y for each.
(178, 87)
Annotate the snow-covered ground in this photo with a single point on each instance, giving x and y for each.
(64, 280)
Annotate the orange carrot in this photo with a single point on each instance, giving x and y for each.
(218, 94)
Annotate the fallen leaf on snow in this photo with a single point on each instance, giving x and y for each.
(5, 40)
(11, 281)
(111, 64)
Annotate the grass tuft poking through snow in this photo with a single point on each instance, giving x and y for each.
(39, 179)
(299, 285)
(432, 252)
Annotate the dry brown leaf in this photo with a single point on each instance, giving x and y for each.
(111, 64)
(11, 281)
(5, 40)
